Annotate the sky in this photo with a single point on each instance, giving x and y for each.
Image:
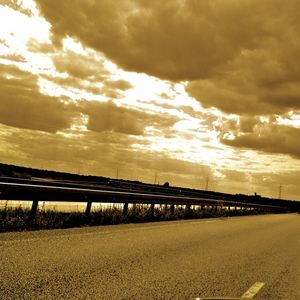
(197, 93)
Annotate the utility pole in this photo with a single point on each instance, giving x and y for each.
(206, 184)
(155, 178)
(117, 175)
(280, 191)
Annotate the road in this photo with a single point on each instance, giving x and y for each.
(167, 260)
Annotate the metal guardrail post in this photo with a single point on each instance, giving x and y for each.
(165, 208)
(188, 210)
(172, 209)
(34, 209)
(134, 207)
(134, 210)
(125, 209)
(88, 208)
(152, 206)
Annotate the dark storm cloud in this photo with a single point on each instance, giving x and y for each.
(23, 105)
(239, 55)
(170, 39)
(244, 97)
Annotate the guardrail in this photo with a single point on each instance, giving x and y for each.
(35, 191)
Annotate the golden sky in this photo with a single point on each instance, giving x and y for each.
(185, 89)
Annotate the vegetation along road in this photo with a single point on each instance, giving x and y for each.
(254, 256)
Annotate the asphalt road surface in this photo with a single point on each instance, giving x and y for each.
(255, 256)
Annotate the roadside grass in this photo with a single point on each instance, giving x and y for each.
(18, 218)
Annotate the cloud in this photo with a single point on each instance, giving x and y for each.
(115, 89)
(242, 92)
(79, 65)
(107, 116)
(35, 46)
(13, 57)
(120, 84)
(263, 182)
(18, 6)
(23, 105)
(99, 154)
(239, 56)
(87, 73)
(247, 124)
(267, 137)
(170, 39)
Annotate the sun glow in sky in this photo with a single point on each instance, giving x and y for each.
(185, 91)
